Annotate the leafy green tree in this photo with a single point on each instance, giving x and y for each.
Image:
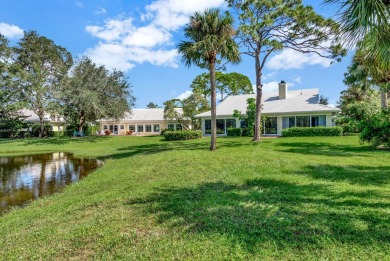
(210, 39)
(268, 26)
(43, 65)
(359, 101)
(190, 107)
(92, 92)
(226, 83)
(11, 122)
(10, 95)
(201, 84)
(249, 118)
(152, 105)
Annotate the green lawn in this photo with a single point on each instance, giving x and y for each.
(286, 198)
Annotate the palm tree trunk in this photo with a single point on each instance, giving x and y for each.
(213, 144)
(259, 95)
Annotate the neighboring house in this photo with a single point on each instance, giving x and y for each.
(298, 108)
(140, 122)
(57, 123)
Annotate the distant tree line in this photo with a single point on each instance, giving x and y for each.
(41, 76)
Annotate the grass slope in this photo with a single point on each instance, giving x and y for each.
(288, 198)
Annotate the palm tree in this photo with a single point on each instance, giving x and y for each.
(210, 40)
(366, 23)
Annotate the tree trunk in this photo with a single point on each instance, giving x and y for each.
(213, 144)
(42, 124)
(259, 95)
(81, 122)
(384, 97)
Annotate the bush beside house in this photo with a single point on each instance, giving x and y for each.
(316, 131)
(182, 135)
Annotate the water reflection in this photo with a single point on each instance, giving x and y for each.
(24, 178)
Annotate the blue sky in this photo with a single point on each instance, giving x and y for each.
(140, 37)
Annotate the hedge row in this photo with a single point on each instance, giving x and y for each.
(237, 132)
(182, 135)
(314, 131)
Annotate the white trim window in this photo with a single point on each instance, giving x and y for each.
(156, 127)
(148, 128)
(140, 128)
(132, 128)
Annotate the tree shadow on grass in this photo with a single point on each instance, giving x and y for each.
(62, 140)
(266, 211)
(353, 174)
(186, 145)
(324, 149)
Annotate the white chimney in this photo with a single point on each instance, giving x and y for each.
(282, 90)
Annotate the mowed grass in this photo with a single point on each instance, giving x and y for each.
(283, 199)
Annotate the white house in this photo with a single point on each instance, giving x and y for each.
(57, 123)
(283, 109)
(140, 122)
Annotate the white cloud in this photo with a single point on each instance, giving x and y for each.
(113, 29)
(171, 14)
(148, 36)
(123, 58)
(270, 87)
(268, 75)
(123, 44)
(11, 31)
(290, 59)
(79, 4)
(297, 79)
(184, 95)
(100, 10)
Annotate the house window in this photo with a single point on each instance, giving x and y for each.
(131, 127)
(156, 127)
(140, 128)
(221, 126)
(288, 122)
(318, 120)
(243, 124)
(207, 127)
(230, 123)
(171, 126)
(122, 127)
(303, 121)
(148, 128)
(270, 125)
(105, 127)
(179, 127)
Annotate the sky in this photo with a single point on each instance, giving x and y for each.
(140, 38)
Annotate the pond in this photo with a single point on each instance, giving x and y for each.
(25, 178)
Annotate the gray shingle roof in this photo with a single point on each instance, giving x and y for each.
(298, 101)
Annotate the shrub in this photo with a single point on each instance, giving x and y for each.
(58, 133)
(129, 132)
(376, 130)
(165, 130)
(48, 132)
(248, 132)
(108, 132)
(182, 135)
(235, 132)
(314, 131)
